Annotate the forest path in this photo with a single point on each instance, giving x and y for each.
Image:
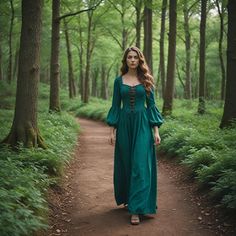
(88, 207)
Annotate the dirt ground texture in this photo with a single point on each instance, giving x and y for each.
(83, 203)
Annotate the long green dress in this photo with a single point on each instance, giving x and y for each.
(135, 164)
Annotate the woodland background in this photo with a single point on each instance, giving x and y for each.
(63, 63)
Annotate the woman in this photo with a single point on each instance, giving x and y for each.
(135, 173)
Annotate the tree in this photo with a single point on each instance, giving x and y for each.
(71, 80)
(221, 12)
(229, 114)
(9, 69)
(54, 104)
(170, 79)
(147, 48)
(201, 102)
(162, 49)
(24, 127)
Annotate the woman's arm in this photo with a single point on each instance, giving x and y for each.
(157, 138)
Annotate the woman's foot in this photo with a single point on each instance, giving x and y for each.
(134, 219)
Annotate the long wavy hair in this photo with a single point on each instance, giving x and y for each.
(143, 71)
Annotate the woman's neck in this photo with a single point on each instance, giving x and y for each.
(132, 72)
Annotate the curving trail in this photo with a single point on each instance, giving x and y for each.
(87, 206)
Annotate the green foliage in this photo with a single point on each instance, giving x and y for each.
(27, 173)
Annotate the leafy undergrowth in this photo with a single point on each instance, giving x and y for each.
(26, 174)
(198, 143)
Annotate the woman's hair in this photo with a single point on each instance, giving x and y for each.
(143, 70)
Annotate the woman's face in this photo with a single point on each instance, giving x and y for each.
(132, 60)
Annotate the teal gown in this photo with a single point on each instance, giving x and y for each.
(135, 164)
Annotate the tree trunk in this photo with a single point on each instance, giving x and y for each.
(201, 102)
(15, 68)
(148, 33)
(138, 8)
(221, 15)
(81, 67)
(162, 49)
(24, 128)
(229, 114)
(88, 57)
(95, 82)
(71, 80)
(54, 62)
(1, 74)
(188, 83)
(170, 82)
(9, 68)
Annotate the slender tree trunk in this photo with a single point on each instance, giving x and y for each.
(88, 57)
(1, 74)
(221, 15)
(148, 34)
(71, 80)
(95, 82)
(170, 82)
(54, 62)
(201, 103)
(24, 128)
(162, 49)
(138, 8)
(16, 61)
(81, 68)
(229, 114)
(9, 68)
(188, 83)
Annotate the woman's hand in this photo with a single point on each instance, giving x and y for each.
(157, 138)
(111, 139)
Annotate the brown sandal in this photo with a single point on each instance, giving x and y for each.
(134, 219)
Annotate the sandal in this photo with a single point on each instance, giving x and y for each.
(134, 219)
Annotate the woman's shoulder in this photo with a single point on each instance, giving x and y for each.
(118, 79)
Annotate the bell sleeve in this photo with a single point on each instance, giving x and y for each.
(154, 115)
(114, 112)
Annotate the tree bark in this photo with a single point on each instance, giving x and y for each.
(54, 105)
(229, 114)
(221, 15)
(9, 68)
(24, 128)
(1, 74)
(201, 102)
(188, 83)
(162, 49)
(148, 33)
(71, 80)
(88, 57)
(138, 9)
(95, 74)
(170, 82)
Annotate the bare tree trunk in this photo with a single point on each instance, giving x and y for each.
(138, 8)
(162, 49)
(221, 15)
(54, 63)
(229, 115)
(201, 103)
(170, 82)
(95, 82)
(71, 80)
(88, 57)
(24, 128)
(1, 74)
(16, 61)
(9, 68)
(148, 33)
(188, 83)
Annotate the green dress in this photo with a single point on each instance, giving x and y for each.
(135, 164)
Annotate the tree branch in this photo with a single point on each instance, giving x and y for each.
(81, 11)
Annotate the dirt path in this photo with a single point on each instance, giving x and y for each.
(89, 207)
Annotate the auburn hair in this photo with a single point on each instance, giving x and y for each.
(143, 71)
